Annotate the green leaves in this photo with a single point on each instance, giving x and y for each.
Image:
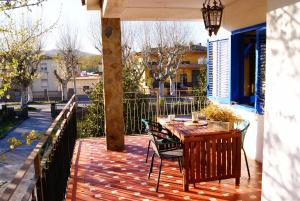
(26, 139)
(20, 54)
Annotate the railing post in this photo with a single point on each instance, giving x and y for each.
(38, 176)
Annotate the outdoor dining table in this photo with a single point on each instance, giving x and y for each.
(208, 153)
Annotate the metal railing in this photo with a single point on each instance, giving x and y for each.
(52, 160)
(149, 107)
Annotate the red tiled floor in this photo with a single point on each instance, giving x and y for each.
(98, 174)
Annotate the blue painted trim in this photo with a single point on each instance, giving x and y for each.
(251, 28)
(236, 62)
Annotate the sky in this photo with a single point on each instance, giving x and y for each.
(72, 14)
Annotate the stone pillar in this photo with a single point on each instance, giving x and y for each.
(113, 88)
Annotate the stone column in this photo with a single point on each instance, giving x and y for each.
(113, 89)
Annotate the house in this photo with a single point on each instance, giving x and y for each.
(262, 87)
(187, 77)
(275, 118)
(46, 86)
(83, 84)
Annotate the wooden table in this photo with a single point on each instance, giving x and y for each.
(208, 154)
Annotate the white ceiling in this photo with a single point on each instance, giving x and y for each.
(151, 9)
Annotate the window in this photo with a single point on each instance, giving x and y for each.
(153, 63)
(185, 62)
(43, 67)
(202, 60)
(183, 80)
(236, 68)
(218, 71)
(248, 67)
(86, 88)
(195, 78)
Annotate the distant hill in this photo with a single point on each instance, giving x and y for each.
(54, 52)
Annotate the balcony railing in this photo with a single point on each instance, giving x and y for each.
(148, 106)
(51, 159)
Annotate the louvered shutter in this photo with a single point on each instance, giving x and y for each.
(260, 70)
(210, 69)
(218, 71)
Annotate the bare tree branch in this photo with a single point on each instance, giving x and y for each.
(6, 5)
(68, 57)
(164, 49)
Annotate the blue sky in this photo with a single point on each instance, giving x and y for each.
(71, 13)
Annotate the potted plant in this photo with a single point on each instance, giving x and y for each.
(216, 114)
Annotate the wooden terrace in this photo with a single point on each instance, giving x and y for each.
(98, 174)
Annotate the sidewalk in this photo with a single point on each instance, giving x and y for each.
(39, 121)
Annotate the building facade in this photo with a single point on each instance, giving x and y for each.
(47, 86)
(187, 76)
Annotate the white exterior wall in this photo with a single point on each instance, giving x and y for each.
(281, 168)
(81, 82)
(52, 83)
(253, 143)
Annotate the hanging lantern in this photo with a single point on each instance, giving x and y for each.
(212, 16)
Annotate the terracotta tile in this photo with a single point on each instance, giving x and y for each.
(98, 174)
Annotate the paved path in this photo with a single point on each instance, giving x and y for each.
(39, 121)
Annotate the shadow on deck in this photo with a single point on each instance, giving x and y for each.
(98, 174)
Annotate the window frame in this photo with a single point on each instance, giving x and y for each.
(236, 81)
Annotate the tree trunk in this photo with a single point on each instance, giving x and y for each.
(64, 92)
(24, 97)
(161, 88)
(30, 95)
(172, 86)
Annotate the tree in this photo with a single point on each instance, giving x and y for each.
(8, 68)
(132, 68)
(90, 63)
(20, 55)
(67, 59)
(11, 5)
(93, 124)
(163, 51)
(94, 33)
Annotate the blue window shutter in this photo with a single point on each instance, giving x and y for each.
(218, 71)
(260, 70)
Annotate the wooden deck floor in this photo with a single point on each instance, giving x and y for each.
(98, 174)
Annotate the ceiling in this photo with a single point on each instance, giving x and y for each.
(150, 9)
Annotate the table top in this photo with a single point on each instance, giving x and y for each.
(185, 132)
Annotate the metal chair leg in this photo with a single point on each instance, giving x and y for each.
(148, 151)
(246, 162)
(158, 175)
(151, 166)
(179, 163)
